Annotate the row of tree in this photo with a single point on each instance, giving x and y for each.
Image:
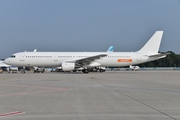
(171, 60)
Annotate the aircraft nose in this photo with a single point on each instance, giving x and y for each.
(7, 61)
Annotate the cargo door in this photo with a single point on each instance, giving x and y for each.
(22, 57)
(138, 57)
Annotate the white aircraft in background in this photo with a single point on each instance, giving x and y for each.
(70, 61)
(9, 68)
(3, 65)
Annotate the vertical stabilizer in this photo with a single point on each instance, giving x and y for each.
(111, 49)
(152, 46)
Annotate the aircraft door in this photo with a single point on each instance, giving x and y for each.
(22, 57)
(138, 57)
(55, 57)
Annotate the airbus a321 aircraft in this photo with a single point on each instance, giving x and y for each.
(84, 61)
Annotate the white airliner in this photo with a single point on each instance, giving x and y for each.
(71, 61)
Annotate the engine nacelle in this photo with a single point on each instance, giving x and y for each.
(68, 66)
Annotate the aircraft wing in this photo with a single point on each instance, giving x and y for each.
(88, 60)
(159, 54)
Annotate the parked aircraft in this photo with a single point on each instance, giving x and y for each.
(3, 65)
(84, 61)
(8, 68)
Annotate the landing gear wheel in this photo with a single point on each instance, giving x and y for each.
(85, 71)
(23, 71)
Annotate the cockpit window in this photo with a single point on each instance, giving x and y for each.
(13, 56)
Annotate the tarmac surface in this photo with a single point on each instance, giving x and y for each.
(122, 95)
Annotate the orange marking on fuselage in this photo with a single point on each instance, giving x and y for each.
(124, 60)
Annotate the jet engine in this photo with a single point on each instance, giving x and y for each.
(68, 66)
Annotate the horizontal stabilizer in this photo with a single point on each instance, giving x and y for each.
(159, 54)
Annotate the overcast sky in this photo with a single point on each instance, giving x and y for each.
(87, 25)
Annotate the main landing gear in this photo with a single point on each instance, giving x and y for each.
(23, 70)
(85, 71)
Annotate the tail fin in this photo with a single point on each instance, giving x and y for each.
(111, 49)
(153, 44)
